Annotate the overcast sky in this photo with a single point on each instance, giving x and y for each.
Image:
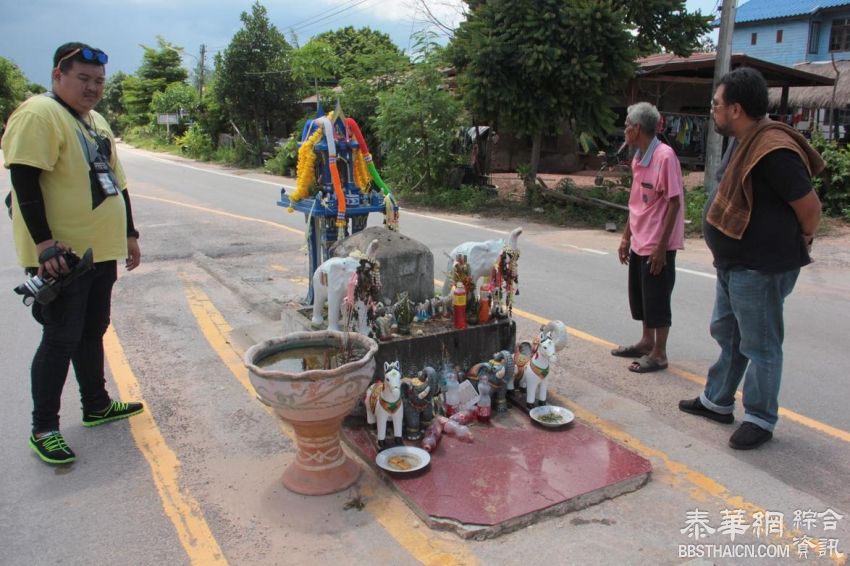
(30, 30)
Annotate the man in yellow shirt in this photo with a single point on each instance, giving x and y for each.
(70, 194)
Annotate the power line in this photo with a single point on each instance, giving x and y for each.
(318, 18)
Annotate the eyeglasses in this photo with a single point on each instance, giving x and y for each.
(715, 104)
(93, 55)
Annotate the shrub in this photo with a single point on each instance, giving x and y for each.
(285, 158)
(195, 143)
(694, 205)
(833, 185)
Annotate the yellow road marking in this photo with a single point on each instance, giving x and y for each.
(180, 507)
(390, 512)
(221, 213)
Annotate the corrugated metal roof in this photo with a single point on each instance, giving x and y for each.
(757, 10)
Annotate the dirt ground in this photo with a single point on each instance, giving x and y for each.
(510, 186)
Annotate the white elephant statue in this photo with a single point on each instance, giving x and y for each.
(481, 257)
(383, 402)
(335, 280)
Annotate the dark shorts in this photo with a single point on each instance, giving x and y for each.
(649, 295)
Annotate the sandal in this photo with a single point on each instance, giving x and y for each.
(628, 352)
(645, 364)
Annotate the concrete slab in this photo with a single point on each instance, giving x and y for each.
(511, 475)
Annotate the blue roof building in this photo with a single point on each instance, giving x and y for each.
(793, 31)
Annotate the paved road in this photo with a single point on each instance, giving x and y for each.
(195, 481)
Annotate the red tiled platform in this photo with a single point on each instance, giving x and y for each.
(512, 473)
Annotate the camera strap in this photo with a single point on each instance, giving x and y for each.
(102, 178)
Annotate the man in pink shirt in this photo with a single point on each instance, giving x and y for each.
(655, 230)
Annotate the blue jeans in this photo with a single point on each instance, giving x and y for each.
(748, 325)
(74, 324)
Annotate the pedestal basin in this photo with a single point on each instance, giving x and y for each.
(312, 380)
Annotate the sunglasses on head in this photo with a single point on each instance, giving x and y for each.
(93, 55)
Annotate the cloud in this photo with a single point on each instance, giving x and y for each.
(449, 12)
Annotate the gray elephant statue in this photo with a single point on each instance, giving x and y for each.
(418, 394)
(500, 373)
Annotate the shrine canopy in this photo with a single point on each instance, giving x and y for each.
(698, 69)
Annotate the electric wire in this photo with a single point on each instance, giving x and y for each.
(320, 18)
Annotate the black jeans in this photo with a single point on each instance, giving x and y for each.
(74, 324)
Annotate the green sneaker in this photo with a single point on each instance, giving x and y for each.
(51, 448)
(115, 411)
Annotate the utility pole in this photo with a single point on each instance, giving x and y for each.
(202, 70)
(714, 146)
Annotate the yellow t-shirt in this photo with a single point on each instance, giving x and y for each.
(41, 133)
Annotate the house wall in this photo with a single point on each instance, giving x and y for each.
(795, 40)
(823, 53)
(795, 37)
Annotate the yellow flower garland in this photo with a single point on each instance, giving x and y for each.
(306, 172)
(361, 173)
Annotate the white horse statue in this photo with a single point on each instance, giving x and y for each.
(331, 282)
(534, 359)
(383, 402)
(481, 257)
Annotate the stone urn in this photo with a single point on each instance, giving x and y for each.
(312, 380)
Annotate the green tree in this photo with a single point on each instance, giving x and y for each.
(177, 97)
(315, 62)
(362, 53)
(13, 89)
(532, 65)
(254, 82)
(160, 68)
(417, 121)
(110, 105)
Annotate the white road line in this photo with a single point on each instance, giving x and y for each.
(588, 250)
(700, 273)
(219, 173)
(459, 223)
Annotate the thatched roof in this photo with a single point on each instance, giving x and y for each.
(818, 96)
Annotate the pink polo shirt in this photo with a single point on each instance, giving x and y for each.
(657, 176)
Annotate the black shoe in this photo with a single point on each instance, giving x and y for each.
(116, 410)
(51, 448)
(695, 407)
(749, 436)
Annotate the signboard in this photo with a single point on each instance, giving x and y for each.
(167, 119)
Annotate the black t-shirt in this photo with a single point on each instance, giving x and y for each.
(773, 240)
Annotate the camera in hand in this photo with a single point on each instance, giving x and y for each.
(45, 288)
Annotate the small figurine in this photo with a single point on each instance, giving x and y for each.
(403, 312)
(418, 393)
(383, 402)
(533, 360)
(500, 372)
(384, 327)
(422, 314)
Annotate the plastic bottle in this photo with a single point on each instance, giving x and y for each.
(484, 401)
(432, 436)
(484, 295)
(452, 394)
(459, 431)
(459, 302)
(465, 416)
